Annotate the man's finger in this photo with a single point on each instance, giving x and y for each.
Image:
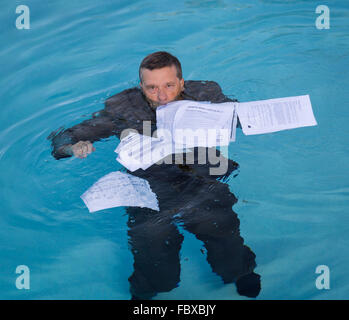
(89, 148)
(84, 149)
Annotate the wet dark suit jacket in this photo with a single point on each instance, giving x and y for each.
(188, 195)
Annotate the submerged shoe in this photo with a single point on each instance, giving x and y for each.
(249, 285)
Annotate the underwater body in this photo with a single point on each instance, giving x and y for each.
(292, 186)
(187, 193)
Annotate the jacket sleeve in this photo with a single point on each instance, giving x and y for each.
(122, 111)
(94, 129)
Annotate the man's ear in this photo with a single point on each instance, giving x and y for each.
(182, 84)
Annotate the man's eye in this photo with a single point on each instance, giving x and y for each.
(170, 85)
(151, 88)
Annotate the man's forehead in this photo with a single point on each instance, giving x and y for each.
(166, 73)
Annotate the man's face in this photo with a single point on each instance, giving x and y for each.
(161, 86)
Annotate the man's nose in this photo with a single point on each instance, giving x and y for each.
(162, 96)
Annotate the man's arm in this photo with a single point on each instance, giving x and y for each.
(78, 139)
(125, 110)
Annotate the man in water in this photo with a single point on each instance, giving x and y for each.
(188, 194)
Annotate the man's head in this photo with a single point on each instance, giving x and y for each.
(161, 80)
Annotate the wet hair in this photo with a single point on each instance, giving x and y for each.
(158, 60)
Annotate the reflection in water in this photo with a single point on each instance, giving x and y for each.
(203, 206)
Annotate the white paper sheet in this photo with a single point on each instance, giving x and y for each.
(272, 115)
(136, 151)
(196, 123)
(165, 115)
(186, 124)
(119, 189)
(234, 124)
(211, 123)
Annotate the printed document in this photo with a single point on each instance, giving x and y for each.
(137, 151)
(119, 189)
(186, 124)
(197, 124)
(272, 115)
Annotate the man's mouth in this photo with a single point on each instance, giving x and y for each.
(155, 104)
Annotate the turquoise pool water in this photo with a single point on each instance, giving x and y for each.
(293, 186)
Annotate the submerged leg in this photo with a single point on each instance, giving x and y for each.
(214, 223)
(155, 244)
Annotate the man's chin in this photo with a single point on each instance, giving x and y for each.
(155, 104)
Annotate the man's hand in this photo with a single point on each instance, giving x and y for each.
(82, 149)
